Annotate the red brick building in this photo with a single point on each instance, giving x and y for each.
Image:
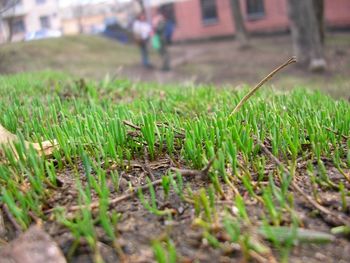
(197, 19)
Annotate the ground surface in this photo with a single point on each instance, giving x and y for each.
(218, 62)
(227, 196)
(85, 56)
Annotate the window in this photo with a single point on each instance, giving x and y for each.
(255, 9)
(209, 11)
(45, 22)
(17, 26)
(10, 3)
(40, 2)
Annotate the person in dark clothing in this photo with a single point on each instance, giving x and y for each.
(159, 25)
(169, 30)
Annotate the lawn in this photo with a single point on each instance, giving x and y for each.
(143, 172)
(84, 56)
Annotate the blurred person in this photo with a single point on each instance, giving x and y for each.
(169, 30)
(142, 31)
(160, 31)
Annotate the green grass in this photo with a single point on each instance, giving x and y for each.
(85, 56)
(87, 118)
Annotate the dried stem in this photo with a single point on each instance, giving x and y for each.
(337, 133)
(261, 83)
(130, 124)
(344, 220)
(12, 220)
(146, 167)
(113, 202)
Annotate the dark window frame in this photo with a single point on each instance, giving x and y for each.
(209, 12)
(40, 2)
(18, 26)
(255, 9)
(45, 22)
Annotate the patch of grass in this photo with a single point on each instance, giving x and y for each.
(114, 128)
(85, 56)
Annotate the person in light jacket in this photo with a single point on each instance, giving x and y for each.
(142, 31)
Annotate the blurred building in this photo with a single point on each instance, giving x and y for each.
(29, 16)
(196, 19)
(94, 17)
(34, 19)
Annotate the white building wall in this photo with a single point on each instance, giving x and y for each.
(31, 11)
(35, 11)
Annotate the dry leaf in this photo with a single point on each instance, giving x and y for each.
(7, 138)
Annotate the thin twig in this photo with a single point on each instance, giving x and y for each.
(341, 218)
(193, 173)
(116, 200)
(261, 83)
(11, 219)
(337, 133)
(113, 202)
(206, 169)
(130, 124)
(177, 134)
(146, 167)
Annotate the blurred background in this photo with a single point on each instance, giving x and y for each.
(221, 42)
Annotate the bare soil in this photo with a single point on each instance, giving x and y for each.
(219, 62)
(138, 227)
(223, 62)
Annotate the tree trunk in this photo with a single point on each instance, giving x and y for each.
(2, 30)
(141, 5)
(306, 34)
(319, 11)
(10, 29)
(241, 32)
(7, 6)
(80, 24)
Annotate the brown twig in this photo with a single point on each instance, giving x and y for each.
(36, 219)
(113, 202)
(193, 173)
(130, 124)
(11, 219)
(337, 133)
(261, 83)
(340, 218)
(146, 167)
(177, 134)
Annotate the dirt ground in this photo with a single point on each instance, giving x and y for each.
(219, 62)
(222, 62)
(138, 227)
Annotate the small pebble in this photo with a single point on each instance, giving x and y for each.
(320, 256)
(123, 184)
(180, 210)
